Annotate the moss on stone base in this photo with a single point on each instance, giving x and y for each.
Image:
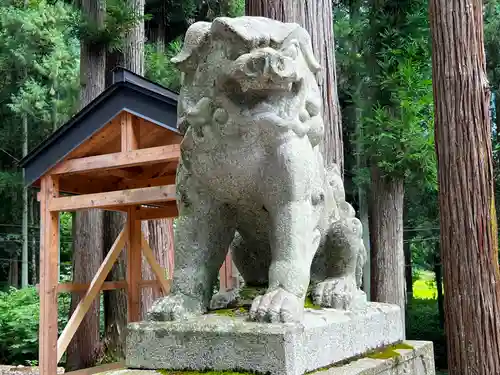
(389, 351)
(175, 372)
(238, 311)
(309, 304)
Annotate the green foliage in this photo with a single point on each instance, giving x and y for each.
(492, 42)
(158, 66)
(120, 19)
(66, 248)
(38, 39)
(423, 324)
(19, 318)
(39, 60)
(397, 102)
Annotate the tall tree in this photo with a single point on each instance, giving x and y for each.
(466, 187)
(24, 253)
(316, 17)
(85, 347)
(397, 132)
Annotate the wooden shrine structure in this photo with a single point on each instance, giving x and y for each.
(118, 153)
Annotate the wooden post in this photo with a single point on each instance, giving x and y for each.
(49, 241)
(134, 266)
(129, 132)
(226, 274)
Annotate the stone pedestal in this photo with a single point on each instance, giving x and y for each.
(217, 342)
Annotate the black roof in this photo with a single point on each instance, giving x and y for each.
(129, 92)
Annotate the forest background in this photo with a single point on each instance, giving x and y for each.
(384, 83)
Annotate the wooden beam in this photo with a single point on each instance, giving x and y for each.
(82, 288)
(146, 213)
(134, 266)
(86, 301)
(149, 195)
(117, 160)
(157, 270)
(98, 369)
(136, 183)
(107, 285)
(49, 258)
(130, 134)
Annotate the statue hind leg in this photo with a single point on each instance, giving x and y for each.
(338, 265)
(252, 259)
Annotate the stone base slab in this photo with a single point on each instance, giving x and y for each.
(217, 342)
(419, 360)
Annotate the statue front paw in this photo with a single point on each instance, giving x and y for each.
(339, 293)
(175, 307)
(277, 306)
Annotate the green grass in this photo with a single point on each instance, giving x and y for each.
(425, 286)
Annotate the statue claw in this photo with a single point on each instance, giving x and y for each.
(277, 306)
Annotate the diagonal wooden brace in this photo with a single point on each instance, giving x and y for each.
(157, 269)
(92, 292)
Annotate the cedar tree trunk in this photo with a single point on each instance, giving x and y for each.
(466, 188)
(160, 236)
(87, 225)
(386, 231)
(316, 17)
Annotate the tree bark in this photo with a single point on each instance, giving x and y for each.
(466, 187)
(14, 271)
(160, 237)
(407, 254)
(408, 268)
(386, 230)
(115, 301)
(85, 347)
(134, 45)
(158, 232)
(316, 17)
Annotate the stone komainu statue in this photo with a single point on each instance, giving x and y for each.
(251, 176)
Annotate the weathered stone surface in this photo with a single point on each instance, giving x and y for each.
(251, 176)
(24, 370)
(416, 361)
(217, 342)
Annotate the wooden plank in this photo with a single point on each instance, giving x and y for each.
(157, 269)
(98, 369)
(149, 195)
(137, 183)
(118, 160)
(49, 258)
(226, 273)
(103, 141)
(107, 285)
(129, 132)
(146, 213)
(154, 283)
(134, 266)
(92, 292)
(82, 288)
